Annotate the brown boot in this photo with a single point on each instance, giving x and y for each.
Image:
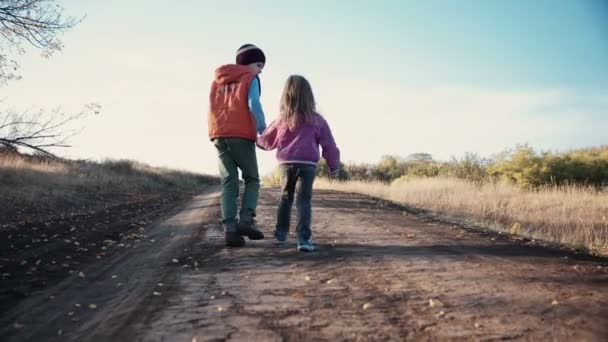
(250, 229)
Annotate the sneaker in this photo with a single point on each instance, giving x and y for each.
(250, 229)
(306, 246)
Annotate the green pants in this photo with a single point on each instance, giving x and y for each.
(234, 154)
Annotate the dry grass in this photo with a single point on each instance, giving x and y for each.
(574, 216)
(32, 184)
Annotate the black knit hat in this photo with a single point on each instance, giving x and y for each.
(248, 54)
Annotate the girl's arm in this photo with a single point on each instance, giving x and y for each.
(268, 140)
(330, 153)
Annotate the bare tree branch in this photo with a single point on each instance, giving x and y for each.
(27, 130)
(34, 22)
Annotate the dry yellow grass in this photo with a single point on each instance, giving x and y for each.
(18, 170)
(574, 216)
(30, 184)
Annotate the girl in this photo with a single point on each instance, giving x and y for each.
(296, 135)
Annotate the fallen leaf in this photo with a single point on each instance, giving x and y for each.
(297, 295)
(435, 303)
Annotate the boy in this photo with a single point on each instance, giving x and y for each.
(235, 118)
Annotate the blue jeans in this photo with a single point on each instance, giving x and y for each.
(296, 181)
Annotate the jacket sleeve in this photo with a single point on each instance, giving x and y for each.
(268, 139)
(330, 153)
(255, 107)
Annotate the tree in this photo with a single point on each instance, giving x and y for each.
(34, 22)
(421, 157)
(39, 131)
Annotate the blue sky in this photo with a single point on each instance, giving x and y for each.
(391, 77)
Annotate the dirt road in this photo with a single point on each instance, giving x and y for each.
(380, 274)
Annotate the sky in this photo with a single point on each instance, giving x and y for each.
(391, 77)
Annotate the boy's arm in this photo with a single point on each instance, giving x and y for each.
(268, 139)
(255, 107)
(330, 153)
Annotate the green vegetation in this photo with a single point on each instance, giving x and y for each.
(522, 166)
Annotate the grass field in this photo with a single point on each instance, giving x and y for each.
(571, 215)
(34, 186)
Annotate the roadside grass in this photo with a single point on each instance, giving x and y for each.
(575, 216)
(36, 185)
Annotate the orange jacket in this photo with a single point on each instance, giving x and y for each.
(229, 114)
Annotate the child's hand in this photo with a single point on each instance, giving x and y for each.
(334, 174)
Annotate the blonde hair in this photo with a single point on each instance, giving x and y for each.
(297, 101)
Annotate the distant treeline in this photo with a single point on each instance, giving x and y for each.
(522, 165)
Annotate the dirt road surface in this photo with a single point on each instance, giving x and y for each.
(380, 274)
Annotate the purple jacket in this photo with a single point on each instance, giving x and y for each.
(301, 145)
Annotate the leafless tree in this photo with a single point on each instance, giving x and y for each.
(31, 22)
(40, 131)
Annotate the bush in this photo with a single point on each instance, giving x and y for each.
(521, 166)
(525, 167)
